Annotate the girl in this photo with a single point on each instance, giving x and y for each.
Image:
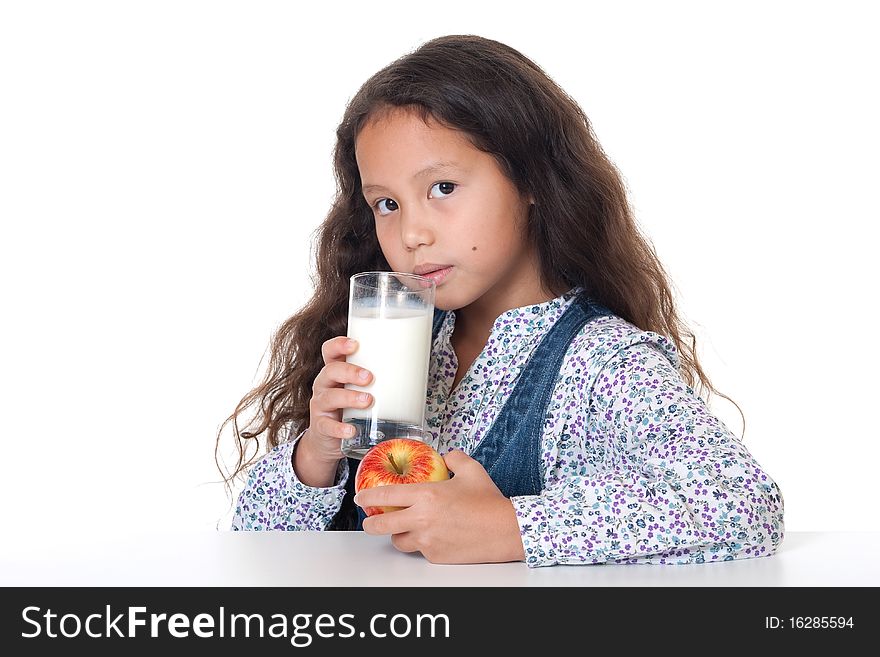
(560, 382)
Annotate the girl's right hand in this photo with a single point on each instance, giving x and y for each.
(329, 396)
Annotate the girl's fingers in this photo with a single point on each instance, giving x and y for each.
(336, 349)
(329, 394)
(331, 400)
(331, 429)
(337, 374)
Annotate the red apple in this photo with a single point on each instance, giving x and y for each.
(398, 461)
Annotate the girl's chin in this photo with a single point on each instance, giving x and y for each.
(446, 299)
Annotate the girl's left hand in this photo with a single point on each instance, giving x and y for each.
(465, 519)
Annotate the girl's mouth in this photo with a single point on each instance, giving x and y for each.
(438, 276)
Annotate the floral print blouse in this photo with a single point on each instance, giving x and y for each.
(636, 468)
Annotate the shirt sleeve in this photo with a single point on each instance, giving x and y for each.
(274, 498)
(675, 486)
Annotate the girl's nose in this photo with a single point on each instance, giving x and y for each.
(415, 230)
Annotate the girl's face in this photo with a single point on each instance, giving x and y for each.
(436, 199)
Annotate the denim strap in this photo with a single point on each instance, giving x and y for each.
(511, 450)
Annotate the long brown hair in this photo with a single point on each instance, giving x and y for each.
(581, 221)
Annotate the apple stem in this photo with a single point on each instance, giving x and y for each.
(394, 464)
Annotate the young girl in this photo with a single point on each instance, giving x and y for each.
(560, 376)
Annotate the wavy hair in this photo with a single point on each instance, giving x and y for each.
(581, 222)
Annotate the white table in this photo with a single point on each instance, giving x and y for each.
(358, 559)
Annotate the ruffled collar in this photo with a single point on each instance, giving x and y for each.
(525, 320)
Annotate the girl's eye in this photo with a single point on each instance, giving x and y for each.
(391, 205)
(446, 188)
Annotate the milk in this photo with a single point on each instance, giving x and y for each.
(395, 347)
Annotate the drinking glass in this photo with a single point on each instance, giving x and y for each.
(390, 314)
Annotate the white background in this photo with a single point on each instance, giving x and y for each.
(163, 166)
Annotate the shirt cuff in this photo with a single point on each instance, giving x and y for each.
(551, 537)
(534, 529)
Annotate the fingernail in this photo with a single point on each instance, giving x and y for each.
(363, 375)
(350, 344)
(363, 396)
(356, 499)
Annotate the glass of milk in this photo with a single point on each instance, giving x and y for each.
(390, 314)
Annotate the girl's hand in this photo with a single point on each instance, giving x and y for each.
(465, 519)
(318, 451)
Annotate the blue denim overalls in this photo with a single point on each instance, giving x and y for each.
(511, 450)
